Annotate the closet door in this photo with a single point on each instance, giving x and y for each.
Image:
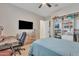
(44, 29)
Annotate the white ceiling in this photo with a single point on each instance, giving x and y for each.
(43, 11)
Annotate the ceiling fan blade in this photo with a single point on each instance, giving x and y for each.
(40, 6)
(48, 5)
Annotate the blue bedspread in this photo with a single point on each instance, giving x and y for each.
(54, 47)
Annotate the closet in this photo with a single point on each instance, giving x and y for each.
(44, 29)
(57, 27)
(66, 27)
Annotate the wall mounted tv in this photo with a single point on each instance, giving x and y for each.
(25, 24)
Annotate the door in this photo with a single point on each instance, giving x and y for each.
(44, 28)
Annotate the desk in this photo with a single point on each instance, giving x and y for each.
(8, 42)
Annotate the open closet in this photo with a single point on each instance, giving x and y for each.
(66, 27)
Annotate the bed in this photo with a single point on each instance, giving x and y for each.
(54, 47)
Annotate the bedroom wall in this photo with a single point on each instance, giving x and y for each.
(9, 16)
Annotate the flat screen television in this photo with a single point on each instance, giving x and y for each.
(25, 24)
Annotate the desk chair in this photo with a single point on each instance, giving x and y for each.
(21, 39)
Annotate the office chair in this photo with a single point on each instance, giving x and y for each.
(21, 39)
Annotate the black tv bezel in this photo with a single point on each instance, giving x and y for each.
(24, 28)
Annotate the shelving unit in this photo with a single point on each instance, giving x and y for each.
(67, 27)
(57, 27)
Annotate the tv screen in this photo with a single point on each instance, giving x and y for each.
(25, 24)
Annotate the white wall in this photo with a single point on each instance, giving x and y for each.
(9, 16)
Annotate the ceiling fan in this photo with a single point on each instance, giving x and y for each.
(47, 4)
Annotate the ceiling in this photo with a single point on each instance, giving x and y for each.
(43, 11)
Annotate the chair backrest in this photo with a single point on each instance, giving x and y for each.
(22, 37)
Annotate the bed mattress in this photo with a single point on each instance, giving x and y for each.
(54, 47)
